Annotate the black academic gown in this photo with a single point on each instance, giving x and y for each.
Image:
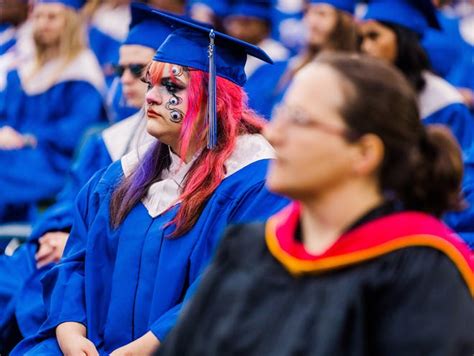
(408, 301)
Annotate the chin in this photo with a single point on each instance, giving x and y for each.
(153, 128)
(277, 185)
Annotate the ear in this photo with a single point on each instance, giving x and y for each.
(369, 153)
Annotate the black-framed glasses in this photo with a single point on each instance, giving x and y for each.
(135, 68)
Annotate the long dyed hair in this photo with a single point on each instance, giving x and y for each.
(208, 170)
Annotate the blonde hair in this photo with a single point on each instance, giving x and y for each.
(71, 43)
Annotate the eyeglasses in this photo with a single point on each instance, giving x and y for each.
(297, 117)
(136, 69)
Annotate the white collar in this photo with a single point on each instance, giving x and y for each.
(164, 194)
(83, 68)
(436, 95)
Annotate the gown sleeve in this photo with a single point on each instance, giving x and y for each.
(256, 203)
(63, 285)
(423, 307)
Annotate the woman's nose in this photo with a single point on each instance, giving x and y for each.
(153, 97)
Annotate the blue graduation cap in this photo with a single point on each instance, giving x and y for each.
(74, 4)
(145, 29)
(261, 9)
(416, 15)
(344, 5)
(201, 47)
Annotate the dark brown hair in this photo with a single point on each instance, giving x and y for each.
(422, 166)
(411, 59)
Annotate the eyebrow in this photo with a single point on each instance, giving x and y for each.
(176, 80)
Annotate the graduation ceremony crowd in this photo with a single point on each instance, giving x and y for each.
(237, 177)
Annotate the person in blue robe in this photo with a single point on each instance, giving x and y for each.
(21, 297)
(118, 106)
(143, 253)
(251, 21)
(51, 102)
(107, 29)
(268, 84)
(392, 31)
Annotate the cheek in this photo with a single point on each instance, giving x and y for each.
(386, 49)
(164, 130)
(306, 168)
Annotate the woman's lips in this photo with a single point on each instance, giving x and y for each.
(152, 114)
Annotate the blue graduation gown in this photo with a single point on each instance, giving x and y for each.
(440, 103)
(462, 74)
(107, 30)
(22, 295)
(265, 89)
(56, 114)
(445, 46)
(135, 279)
(7, 37)
(463, 221)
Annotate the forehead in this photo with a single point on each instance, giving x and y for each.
(320, 7)
(48, 8)
(315, 88)
(372, 25)
(136, 54)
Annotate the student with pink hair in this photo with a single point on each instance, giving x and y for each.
(146, 226)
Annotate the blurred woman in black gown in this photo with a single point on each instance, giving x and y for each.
(359, 264)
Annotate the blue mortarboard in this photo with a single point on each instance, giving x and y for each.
(416, 15)
(261, 9)
(200, 47)
(75, 4)
(344, 5)
(145, 29)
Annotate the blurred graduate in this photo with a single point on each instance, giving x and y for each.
(21, 297)
(146, 226)
(358, 264)
(49, 103)
(329, 27)
(392, 31)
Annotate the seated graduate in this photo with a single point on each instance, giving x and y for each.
(330, 27)
(118, 106)
(391, 31)
(21, 299)
(251, 21)
(358, 264)
(147, 225)
(52, 100)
